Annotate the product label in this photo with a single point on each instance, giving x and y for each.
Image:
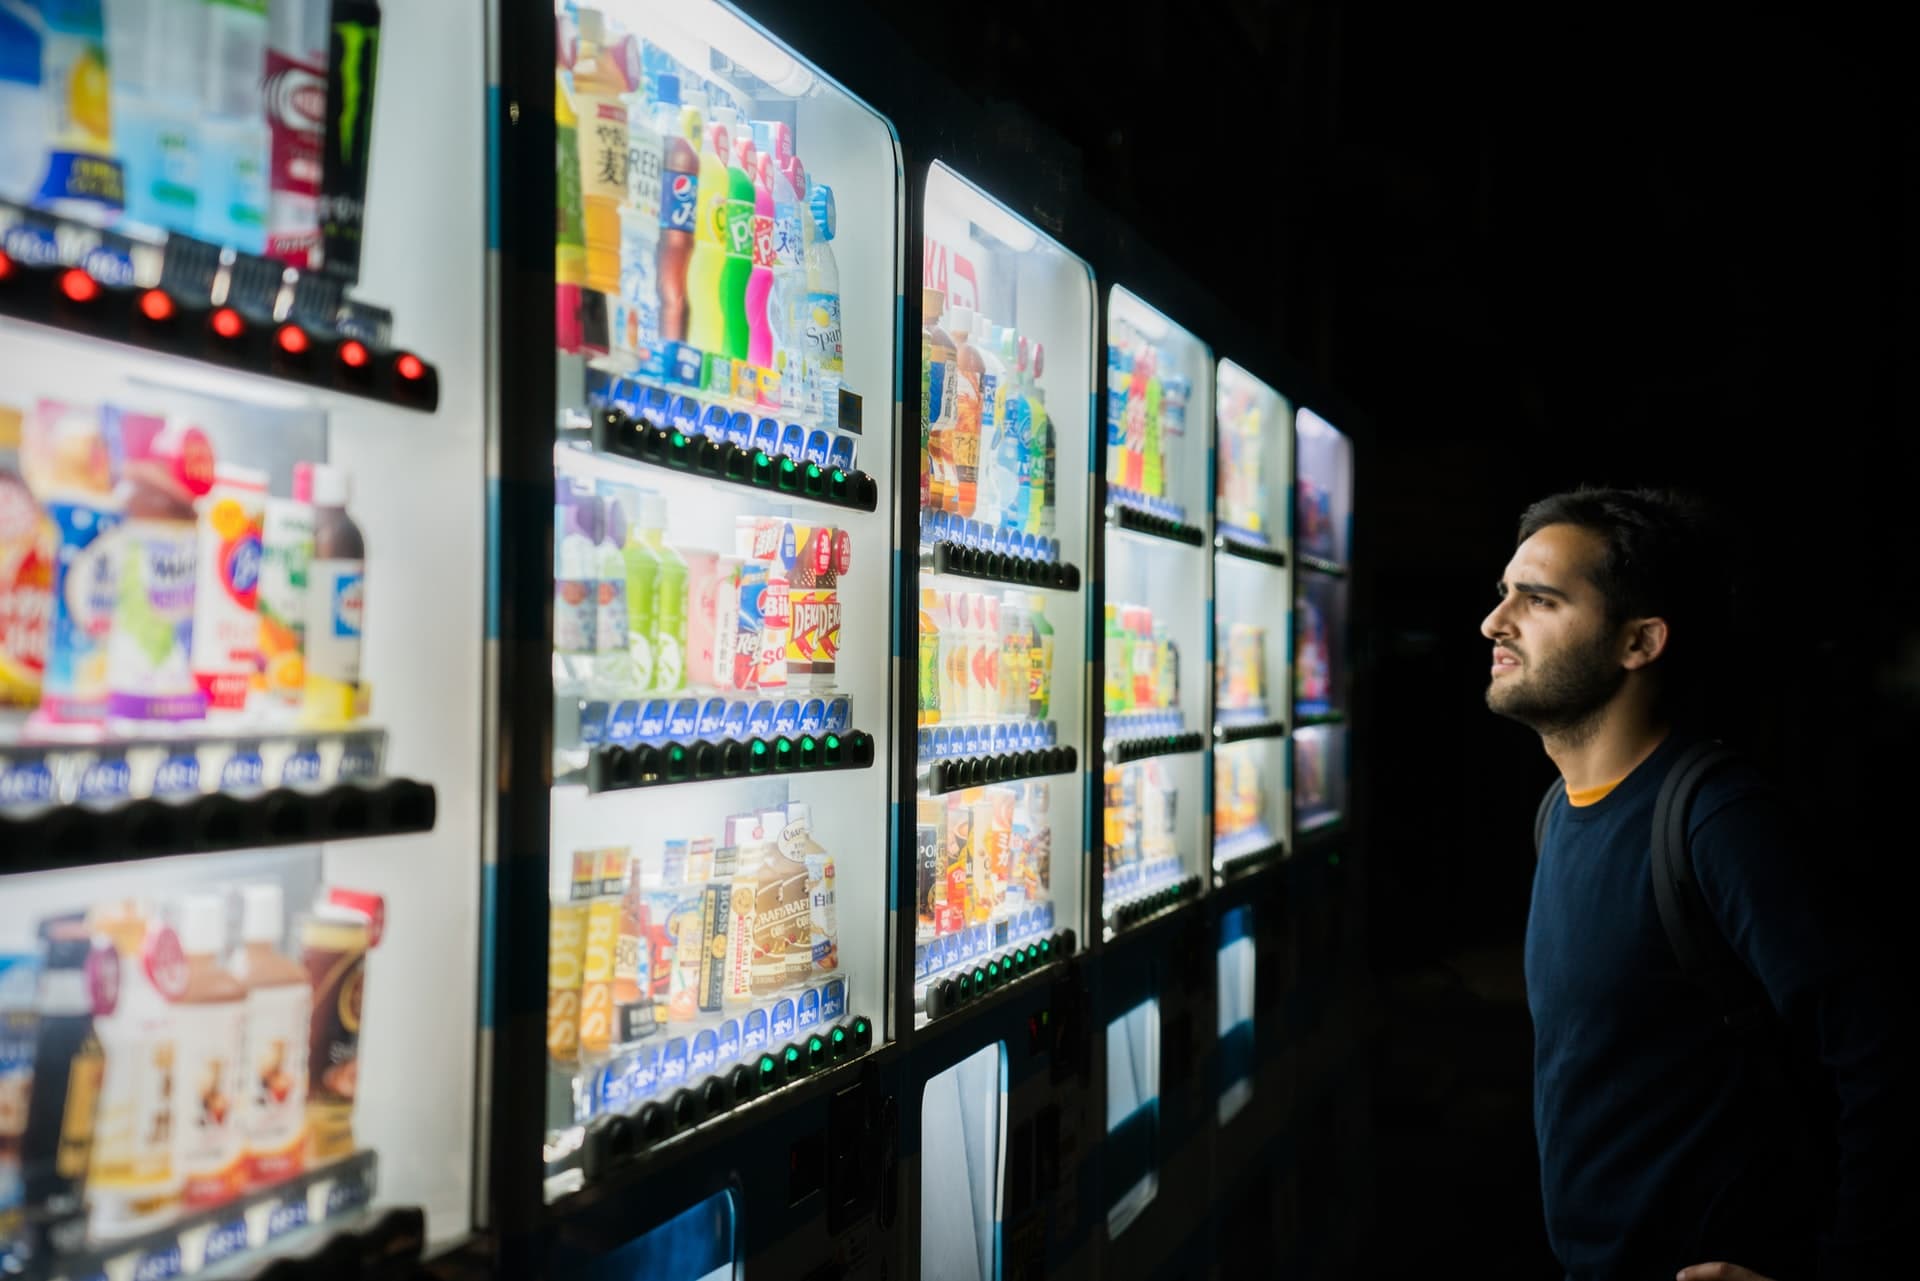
(286, 551)
(781, 1022)
(753, 1031)
(275, 1085)
(178, 774)
(208, 1086)
(673, 1062)
(147, 653)
(610, 616)
(26, 591)
(296, 100)
(678, 197)
(736, 225)
(86, 586)
(823, 332)
(337, 589)
(226, 631)
(727, 1043)
(807, 1012)
(701, 1059)
(603, 142)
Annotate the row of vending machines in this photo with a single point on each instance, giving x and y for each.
(746, 794)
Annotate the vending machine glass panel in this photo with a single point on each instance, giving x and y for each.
(962, 1144)
(242, 576)
(1130, 1158)
(728, 258)
(1323, 516)
(698, 1244)
(1006, 329)
(1319, 777)
(1154, 597)
(1236, 972)
(1253, 575)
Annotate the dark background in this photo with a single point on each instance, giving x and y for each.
(1534, 249)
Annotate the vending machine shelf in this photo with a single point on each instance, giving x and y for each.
(1320, 565)
(42, 771)
(704, 760)
(781, 477)
(991, 974)
(1318, 826)
(1127, 750)
(312, 355)
(1248, 550)
(958, 561)
(1132, 520)
(1131, 909)
(1237, 858)
(83, 834)
(199, 1244)
(618, 1137)
(939, 777)
(1239, 731)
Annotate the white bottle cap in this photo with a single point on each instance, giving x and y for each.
(802, 813)
(263, 914)
(960, 323)
(203, 924)
(332, 486)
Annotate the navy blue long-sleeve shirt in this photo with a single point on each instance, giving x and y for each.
(1663, 1137)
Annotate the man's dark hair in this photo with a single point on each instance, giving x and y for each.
(1667, 556)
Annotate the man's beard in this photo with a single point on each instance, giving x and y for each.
(1562, 696)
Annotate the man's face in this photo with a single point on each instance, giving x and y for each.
(1554, 653)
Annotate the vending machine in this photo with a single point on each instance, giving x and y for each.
(242, 568)
(1155, 984)
(1253, 572)
(1323, 518)
(718, 654)
(999, 1072)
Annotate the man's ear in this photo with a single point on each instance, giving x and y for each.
(1643, 640)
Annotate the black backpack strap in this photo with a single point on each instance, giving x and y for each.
(1555, 790)
(1705, 956)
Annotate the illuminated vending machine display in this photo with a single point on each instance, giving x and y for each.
(726, 259)
(1252, 578)
(1156, 587)
(242, 570)
(1323, 517)
(1006, 324)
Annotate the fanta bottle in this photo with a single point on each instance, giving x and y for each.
(737, 268)
(760, 279)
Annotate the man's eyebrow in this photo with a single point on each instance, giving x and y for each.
(1533, 589)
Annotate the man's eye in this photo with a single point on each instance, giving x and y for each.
(1541, 601)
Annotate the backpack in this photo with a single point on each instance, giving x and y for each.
(1705, 957)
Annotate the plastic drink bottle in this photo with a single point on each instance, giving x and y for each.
(296, 93)
(789, 267)
(928, 686)
(612, 661)
(575, 598)
(273, 1104)
(636, 326)
(234, 140)
(670, 599)
(336, 593)
(569, 236)
(1040, 661)
(210, 1018)
(707, 326)
(760, 278)
(1000, 453)
(643, 577)
(158, 52)
(737, 268)
(83, 179)
(1016, 645)
(1047, 486)
(598, 83)
(679, 197)
(966, 425)
(822, 312)
(936, 403)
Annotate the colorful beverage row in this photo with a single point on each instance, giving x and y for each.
(1146, 419)
(984, 657)
(634, 615)
(242, 122)
(987, 449)
(1141, 802)
(143, 583)
(983, 856)
(641, 947)
(691, 243)
(152, 1063)
(1142, 664)
(1241, 467)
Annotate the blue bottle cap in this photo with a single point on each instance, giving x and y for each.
(825, 216)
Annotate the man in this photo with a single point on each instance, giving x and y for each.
(1667, 1140)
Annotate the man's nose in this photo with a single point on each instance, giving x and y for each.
(1494, 625)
